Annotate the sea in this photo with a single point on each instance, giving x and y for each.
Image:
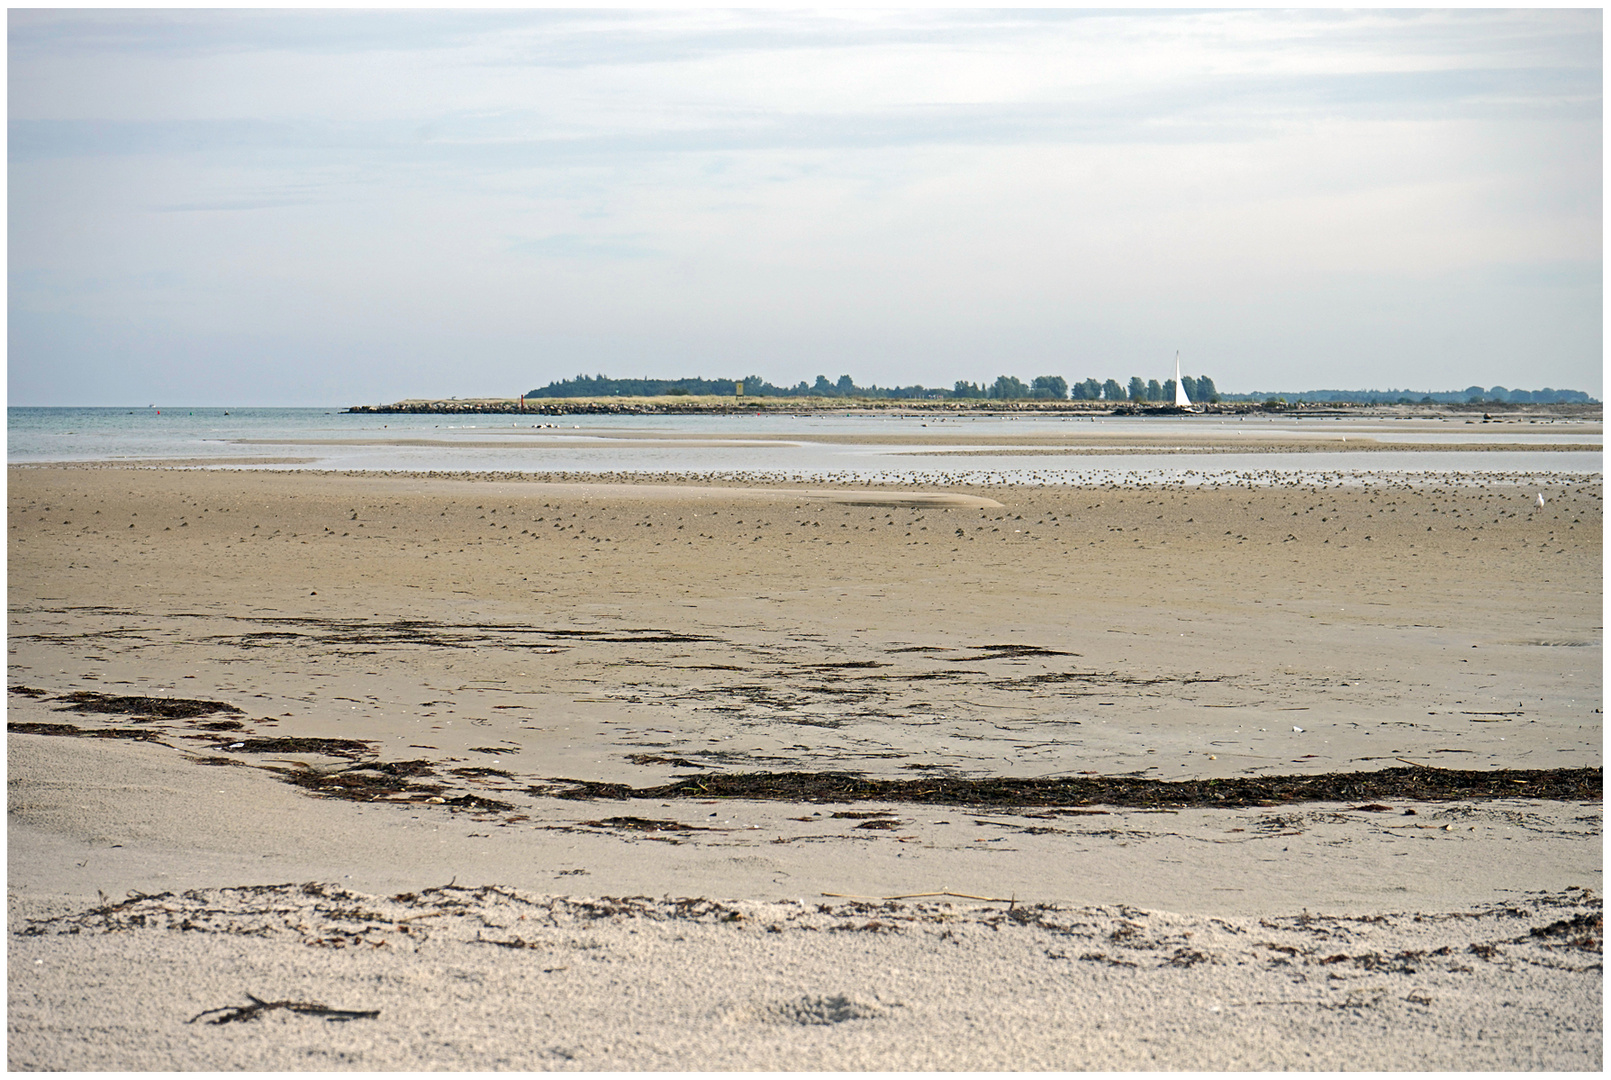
(884, 448)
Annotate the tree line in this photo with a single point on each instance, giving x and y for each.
(1005, 388)
(1057, 388)
(1042, 387)
(1471, 395)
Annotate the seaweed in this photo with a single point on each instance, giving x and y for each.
(1417, 783)
(372, 781)
(345, 633)
(656, 759)
(358, 786)
(642, 825)
(88, 701)
(1585, 931)
(416, 767)
(347, 748)
(138, 734)
(1002, 652)
(478, 802)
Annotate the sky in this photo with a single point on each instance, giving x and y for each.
(327, 208)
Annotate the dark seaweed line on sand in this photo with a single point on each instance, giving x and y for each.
(1418, 784)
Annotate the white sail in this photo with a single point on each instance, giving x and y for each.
(1181, 400)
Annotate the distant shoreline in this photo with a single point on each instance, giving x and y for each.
(724, 405)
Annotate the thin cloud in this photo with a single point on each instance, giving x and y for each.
(579, 246)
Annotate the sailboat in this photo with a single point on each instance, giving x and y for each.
(1181, 400)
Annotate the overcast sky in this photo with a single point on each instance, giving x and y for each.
(312, 208)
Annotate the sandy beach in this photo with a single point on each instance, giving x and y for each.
(890, 541)
(385, 694)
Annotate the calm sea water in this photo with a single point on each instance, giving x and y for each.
(754, 447)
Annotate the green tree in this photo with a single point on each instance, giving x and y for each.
(967, 390)
(1138, 389)
(1050, 386)
(1112, 391)
(1154, 391)
(1008, 388)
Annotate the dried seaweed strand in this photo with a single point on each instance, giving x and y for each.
(916, 895)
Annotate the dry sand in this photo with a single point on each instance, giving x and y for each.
(508, 634)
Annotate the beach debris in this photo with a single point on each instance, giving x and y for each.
(1014, 651)
(480, 803)
(357, 778)
(232, 1013)
(348, 748)
(924, 895)
(1420, 783)
(643, 825)
(1584, 931)
(88, 701)
(363, 782)
(513, 943)
(1563, 931)
(1280, 825)
(473, 771)
(658, 759)
(31, 728)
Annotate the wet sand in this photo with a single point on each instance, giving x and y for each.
(506, 635)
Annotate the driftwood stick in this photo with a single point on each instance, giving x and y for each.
(258, 1006)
